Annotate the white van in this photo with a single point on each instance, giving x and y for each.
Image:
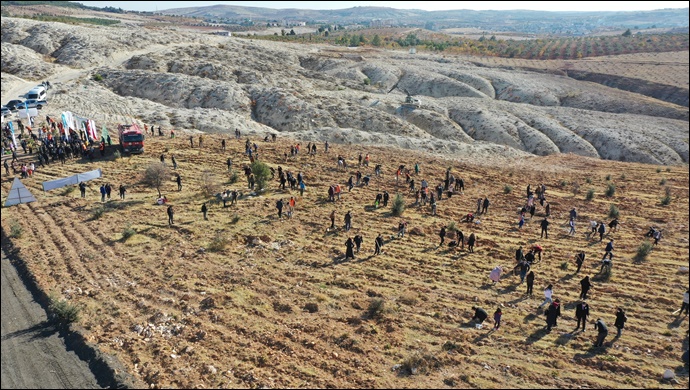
(38, 93)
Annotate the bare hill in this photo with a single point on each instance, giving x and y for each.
(216, 84)
(249, 300)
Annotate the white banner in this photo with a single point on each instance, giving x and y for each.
(24, 114)
(72, 180)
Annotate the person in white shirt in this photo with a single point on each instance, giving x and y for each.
(548, 293)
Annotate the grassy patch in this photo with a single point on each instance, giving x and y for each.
(418, 363)
(219, 243)
(507, 189)
(97, 212)
(16, 230)
(128, 232)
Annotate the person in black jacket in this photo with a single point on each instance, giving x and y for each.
(600, 326)
(585, 285)
(358, 242)
(204, 210)
(552, 314)
(581, 313)
(442, 234)
(545, 227)
(602, 230)
(485, 205)
(579, 260)
(530, 282)
(621, 318)
(479, 315)
(378, 244)
(349, 244)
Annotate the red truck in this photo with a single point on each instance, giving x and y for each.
(131, 138)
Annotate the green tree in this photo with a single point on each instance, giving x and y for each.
(376, 41)
(627, 33)
(354, 41)
(292, 31)
(262, 174)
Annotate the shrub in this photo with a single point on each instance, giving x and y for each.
(209, 184)
(16, 229)
(564, 266)
(452, 227)
(64, 312)
(408, 299)
(418, 363)
(398, 205)
(367, 81)
(117, 154)
(588, 180)
(590, 194)
(658, 170)
(507, 189)
(610, 190)
(608, 177)
(643, 250)
(97, 77)
(668, 169)
(262, 174)
(662, 182)
(376, 307)
(219, 243)
(128, 232)
(666, 200)
(613, 211)
(97, 212)
(68, 190)
(564, 183)
(233, 176)
(623, 177)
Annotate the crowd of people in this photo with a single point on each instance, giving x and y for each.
(50, 148)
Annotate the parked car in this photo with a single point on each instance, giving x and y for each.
(12, 104)
(6, 111)
(32, 103)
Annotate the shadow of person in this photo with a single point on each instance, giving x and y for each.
(564, 339)
(676, 322)
(536, 336)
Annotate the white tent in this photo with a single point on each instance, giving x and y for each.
(18, 194)
(72, 180)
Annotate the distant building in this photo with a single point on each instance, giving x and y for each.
(292, 23)
(222, 33)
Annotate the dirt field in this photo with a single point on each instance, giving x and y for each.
(276, 305)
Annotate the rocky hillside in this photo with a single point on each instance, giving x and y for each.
(215, 84)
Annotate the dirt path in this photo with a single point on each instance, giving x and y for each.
(33, 354)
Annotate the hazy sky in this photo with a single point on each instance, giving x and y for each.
(426, 5)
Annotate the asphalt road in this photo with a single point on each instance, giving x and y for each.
(33, 354)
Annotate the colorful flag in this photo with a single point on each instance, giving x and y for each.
(14, 140)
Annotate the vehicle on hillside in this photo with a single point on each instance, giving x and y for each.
(33, 103)
(12, 104)
(131, 138)
(38, 93)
